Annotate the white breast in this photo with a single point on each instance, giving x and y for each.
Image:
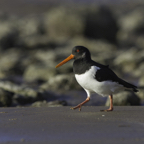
(90, 84)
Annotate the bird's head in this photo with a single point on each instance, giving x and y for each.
(78, 52)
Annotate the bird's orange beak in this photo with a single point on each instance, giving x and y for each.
(66, 60)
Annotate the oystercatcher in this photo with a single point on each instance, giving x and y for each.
(95, 77)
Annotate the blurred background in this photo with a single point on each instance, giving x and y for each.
(35, 35)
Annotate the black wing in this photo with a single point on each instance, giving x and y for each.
(105, 74)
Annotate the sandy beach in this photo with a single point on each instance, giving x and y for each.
(61, 125)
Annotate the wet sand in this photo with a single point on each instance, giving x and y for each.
(60, 125)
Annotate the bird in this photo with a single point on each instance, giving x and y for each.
(94, 77)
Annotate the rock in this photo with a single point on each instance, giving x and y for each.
(5, 98)
(25, 100)
(30, 26)
(8, 61)
(41, 65)
(36, 41)
(141, 92)
(22, 94)
(130, 62)
(132, 21)
(131, 26)
(140, 42)
(38, 72)
(44, 103)
(61, 22)
(61, 82)
(139, 72)
(11, 87)
(125, 98)
(11, 39)
(9, 34)
(127, 61)
(141, 80)
(100, 24)
(21, 32)
(19, 100)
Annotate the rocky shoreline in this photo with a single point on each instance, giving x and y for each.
(31, 47)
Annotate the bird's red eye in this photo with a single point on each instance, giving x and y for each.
(77, 50)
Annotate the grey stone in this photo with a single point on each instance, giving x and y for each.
(100, 24)
(11, 87)
(44, 103)
(5, 98)
(63, 23)
(8, 60)
(61, 82)
(131, 26)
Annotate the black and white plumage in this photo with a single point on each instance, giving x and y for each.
(95, 77)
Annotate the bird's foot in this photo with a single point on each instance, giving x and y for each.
(78, 106)
(108, 110)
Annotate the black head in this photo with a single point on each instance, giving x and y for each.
(78, 52)
(81, 52)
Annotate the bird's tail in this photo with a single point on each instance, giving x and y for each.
(128, 85)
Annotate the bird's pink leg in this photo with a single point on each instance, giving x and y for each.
(111, 104)
(80, 105)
